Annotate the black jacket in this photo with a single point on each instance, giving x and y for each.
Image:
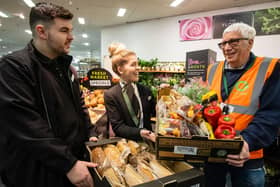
(42, 123)
(118, 114)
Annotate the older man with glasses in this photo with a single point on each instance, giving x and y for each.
(249, 86)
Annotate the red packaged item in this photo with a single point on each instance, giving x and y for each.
(226, 120)
(225, 132)
(212, 114)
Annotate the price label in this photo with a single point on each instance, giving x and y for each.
(185, 150)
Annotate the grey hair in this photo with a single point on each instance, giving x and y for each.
(245, 30)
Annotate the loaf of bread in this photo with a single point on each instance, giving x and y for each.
(159, 170)
(132, 178)
(123, 148)
(134, 147)
(145, 172)
(112, 178)
(98, 156)
(113, 155)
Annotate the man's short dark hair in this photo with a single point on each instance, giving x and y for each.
(45, 13)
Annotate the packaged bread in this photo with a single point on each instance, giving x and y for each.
(123, 148)
(134, 147)
(132, 178)
(98, 156)
(112, 178)
(146, 172)
(113, 155)
(159, 170)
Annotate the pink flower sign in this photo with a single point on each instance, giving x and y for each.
(196, 29)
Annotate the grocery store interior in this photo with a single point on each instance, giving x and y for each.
(163, 35)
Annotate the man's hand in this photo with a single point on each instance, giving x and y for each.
(148, 135)
(79, 174)
(93, 139)
(241, 158)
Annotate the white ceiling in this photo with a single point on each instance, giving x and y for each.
(99, 14)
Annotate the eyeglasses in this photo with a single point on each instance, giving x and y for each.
(231, 42)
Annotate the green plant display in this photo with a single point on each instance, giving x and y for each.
(147, 63)
(154, 80)
(267, 21)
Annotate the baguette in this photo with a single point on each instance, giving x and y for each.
(134, 147)
(113, 155)
(132, 178)
(112, 178)
(123, 148)
(98, 156)
(159, 170)
(145, 172)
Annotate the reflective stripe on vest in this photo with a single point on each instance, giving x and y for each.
(211, 72)
(258, 85)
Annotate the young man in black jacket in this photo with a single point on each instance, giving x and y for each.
(43, 125)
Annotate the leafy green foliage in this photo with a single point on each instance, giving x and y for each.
(147, 63)
(267, 21)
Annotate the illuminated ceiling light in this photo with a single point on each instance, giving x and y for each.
(21, 16)
(28, 31)
(121, 12)
(0, 24)
(176, 3)
(81, 20)
(29, 3)
(84, 35)
(86, 44)
(1, 39)
(2, 14)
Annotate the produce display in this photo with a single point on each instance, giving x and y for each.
(128, 163)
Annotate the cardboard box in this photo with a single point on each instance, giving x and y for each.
(185, 175)
(196, 149)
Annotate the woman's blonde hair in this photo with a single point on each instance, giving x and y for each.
(118, 54)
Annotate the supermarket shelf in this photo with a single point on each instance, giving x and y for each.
(156, 71)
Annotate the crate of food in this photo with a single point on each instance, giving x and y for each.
(196, 149)
(125, 163)
(183, 132)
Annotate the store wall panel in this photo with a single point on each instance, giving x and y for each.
(159, 38)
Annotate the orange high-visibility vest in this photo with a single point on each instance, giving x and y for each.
(244, 96)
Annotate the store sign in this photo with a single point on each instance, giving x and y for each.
(197, 63)
(221, 22)
(99, 78)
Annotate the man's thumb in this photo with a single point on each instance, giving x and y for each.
(90, 164)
